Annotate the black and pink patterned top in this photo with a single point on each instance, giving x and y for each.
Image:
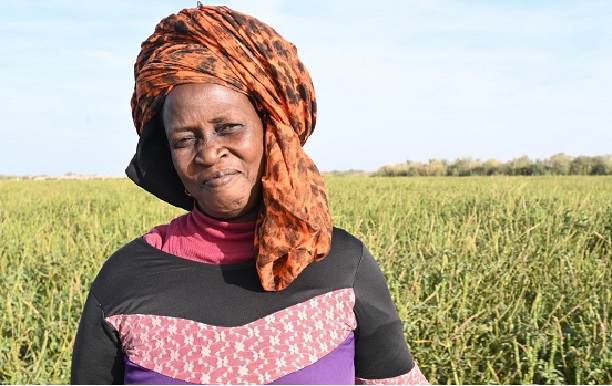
(154, 317)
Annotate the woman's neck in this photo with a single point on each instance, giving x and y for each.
(195, 236)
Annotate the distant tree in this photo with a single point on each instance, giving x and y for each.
(400, 170)
(601, 166)
(492, 167)
(464, 166)
(383, 171)
(521, 166)
(540, 168)
(413, 172)
(581, 166)
(560, 164)
(452, 170)
(418, 169)
(436, 167)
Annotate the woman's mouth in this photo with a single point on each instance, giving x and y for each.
(220, 178)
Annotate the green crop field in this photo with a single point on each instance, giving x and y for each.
(497, 279)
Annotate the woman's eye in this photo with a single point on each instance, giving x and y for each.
(228, 128)
(183, 142)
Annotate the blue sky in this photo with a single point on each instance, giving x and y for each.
(395, 79)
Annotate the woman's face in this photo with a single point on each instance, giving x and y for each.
(217, 143)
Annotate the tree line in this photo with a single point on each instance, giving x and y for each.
(557, 165)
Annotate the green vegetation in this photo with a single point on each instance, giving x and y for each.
(557, 165)
(498, 280)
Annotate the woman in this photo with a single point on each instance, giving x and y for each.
(253, 284)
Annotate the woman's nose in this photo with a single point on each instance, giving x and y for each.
(210, 151)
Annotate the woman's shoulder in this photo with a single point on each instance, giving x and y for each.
(125, 262)
(344, 242)
(338, 269)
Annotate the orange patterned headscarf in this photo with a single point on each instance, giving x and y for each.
(222, 46)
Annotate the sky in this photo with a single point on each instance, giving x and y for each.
(396, 80)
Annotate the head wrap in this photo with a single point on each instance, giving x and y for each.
(222, 46)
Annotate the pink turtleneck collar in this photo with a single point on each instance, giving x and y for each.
(195, 236)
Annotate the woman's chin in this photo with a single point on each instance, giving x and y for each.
(229, 214)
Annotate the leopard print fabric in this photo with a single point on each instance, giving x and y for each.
(222, 46)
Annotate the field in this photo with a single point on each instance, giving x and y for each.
(497, 279)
